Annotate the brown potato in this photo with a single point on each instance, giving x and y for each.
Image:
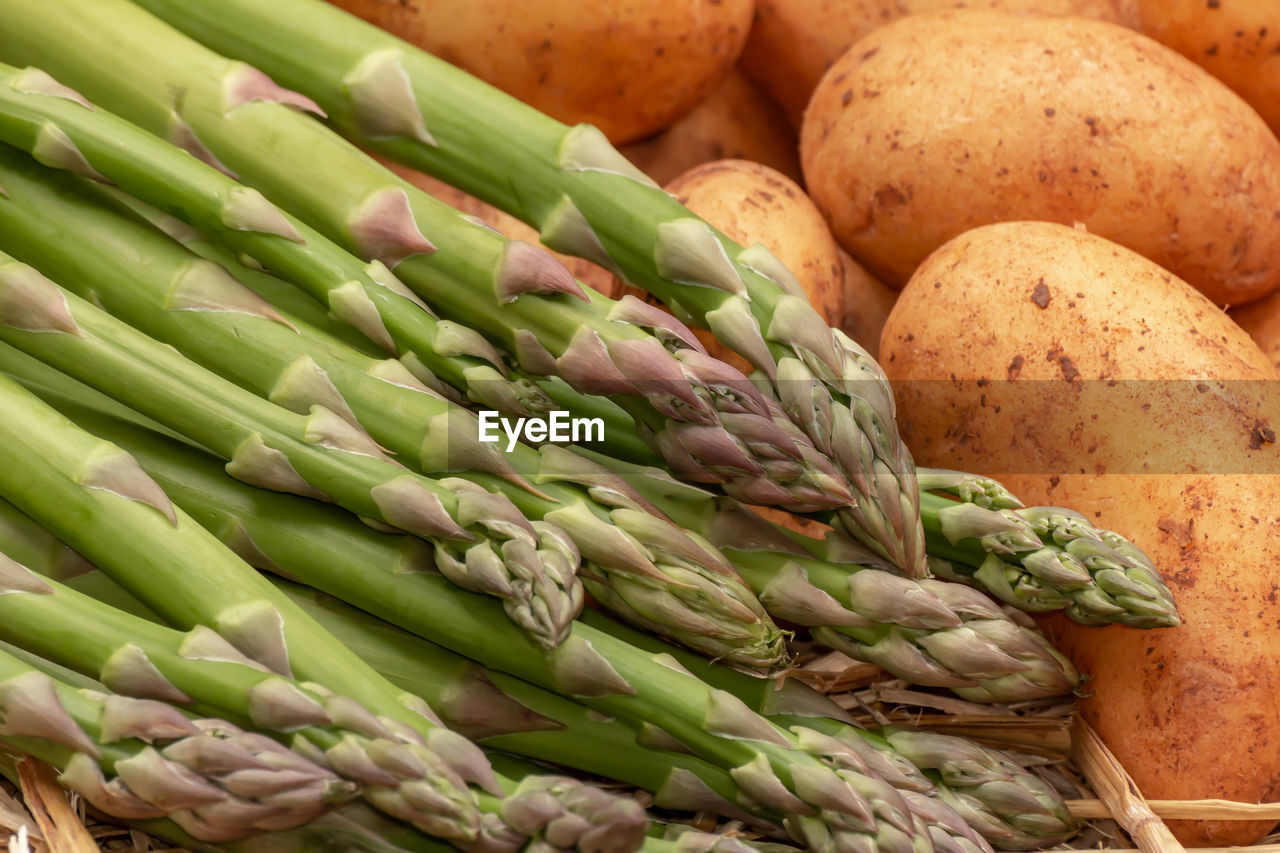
(630, 67)
(1261, 320)
(939, 123)
(1084, 375)
(793, 42)
(752, 204)
(735, 122)
(867, 304)
(1237, 41)
(505, 224)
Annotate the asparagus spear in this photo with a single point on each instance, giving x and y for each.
(586, 199)
(96, 499)
(36, 113)
(485, 543)
(647, 569)
(1065, 563)
(1007, 805)
(829, 805)
(201, 670)
(137, 758)
(354, 828)
(925, 631)
(706, 418)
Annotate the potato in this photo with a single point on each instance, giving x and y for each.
(939, 123)
(752, 204)
(793, 42)
(867, 304)
(736, 121)
(1084, 375)
(505, 224)
(630, 67)
(1261, 320)
(1237, 41)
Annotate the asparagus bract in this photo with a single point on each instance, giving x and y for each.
(95, 498)
(485, 542)
(830, 804)
(587, 200)
(642, 566)
(708, 420)
(138, 758)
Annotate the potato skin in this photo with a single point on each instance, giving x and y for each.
(1261, 319)
(1191, 712)
(1237, 41)
(939, 123)
(793, 42)
(752, 204)
(737, 121)
(630, 67)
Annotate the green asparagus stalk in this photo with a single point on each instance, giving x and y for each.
(587, 200)
(643, 567)
(829, 806)
(485, 542)
(968, 487)
(926, 631)
(1062, 563)
(708, 420)
(200, 670)
(138, 758)
(484, 703)
(38, 115)
(1009, 806)
(95, 498)
(354, 828)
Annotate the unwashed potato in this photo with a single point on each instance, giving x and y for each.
(736, 122)
(630, 67)
(1237, 41)
(867, 304)
(505, 224)
(939, 123)
(793, 42)
(1261, 320)
(1084, 375)
(753, 204)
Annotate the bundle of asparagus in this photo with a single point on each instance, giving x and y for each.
(280, 347)
(642, 565)
(587, 200)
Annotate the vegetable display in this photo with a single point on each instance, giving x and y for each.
(389, 467)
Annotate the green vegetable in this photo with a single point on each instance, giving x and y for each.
(1007, 805)
(36, 113)
(640, 565)
(926, 631)
(139, 758)
(1047, 558)
(829, 805)
(95, 498)
(586, 199)
(707, 419)
(485, 543)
